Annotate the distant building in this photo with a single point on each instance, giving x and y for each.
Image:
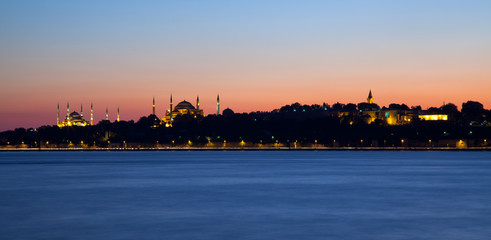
(74, 118)
(371, 112)
(183, 108)
(370, 97)
(392, 116)
(433, 117)
(228, 112)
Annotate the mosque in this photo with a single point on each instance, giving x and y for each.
(74, 118)
(77, 119)
(183, 108)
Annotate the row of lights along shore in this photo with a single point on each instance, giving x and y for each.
(242, 143)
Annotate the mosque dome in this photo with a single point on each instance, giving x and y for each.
(228, 112)
(184, 105)
(75, 115)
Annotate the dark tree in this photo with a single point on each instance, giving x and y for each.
(337, 106)
(399, 106)
(451, 110)
(472, 112)
(350, 106)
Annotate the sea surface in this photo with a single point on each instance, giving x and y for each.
(246, 195)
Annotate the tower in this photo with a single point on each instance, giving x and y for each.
(370, 98)
(91, 114)
(117, 118)
(171, 118)
(197, 102)
(107, 115)
(67, 111)
(58, 115)
(81, 111)
(218, 104)
(153, 106)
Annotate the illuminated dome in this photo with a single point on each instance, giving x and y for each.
(184, 105)
(183, 108)
(73, 119)
(75, 116)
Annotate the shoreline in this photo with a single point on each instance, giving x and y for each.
(249, 149)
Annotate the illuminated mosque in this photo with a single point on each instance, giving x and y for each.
(77, 119)
(183, 108)
(74, 118)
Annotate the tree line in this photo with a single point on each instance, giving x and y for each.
(291, 124)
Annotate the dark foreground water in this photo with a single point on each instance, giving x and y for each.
(245, 195)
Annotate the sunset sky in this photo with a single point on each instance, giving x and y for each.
(258, 55)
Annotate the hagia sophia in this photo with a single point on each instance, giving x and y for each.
(369, 111)
(183, 108)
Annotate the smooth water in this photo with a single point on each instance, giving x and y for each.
(245, 195)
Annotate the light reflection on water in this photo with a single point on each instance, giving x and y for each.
(245, 195)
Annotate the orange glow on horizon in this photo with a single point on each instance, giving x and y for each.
(40, 113)
(413, 52)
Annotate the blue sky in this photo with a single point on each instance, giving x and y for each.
(258, 54)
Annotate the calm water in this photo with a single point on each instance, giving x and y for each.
(245, 195)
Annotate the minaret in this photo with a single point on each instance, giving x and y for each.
(171, 118)
(67, 111)
(107, 115)
(197, 102)
(153, 106)
(117, 118)
(218, 104)
(81, 111)
(58, 115)
(370, 98)
(91, 114)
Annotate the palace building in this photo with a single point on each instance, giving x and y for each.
(372, 112)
